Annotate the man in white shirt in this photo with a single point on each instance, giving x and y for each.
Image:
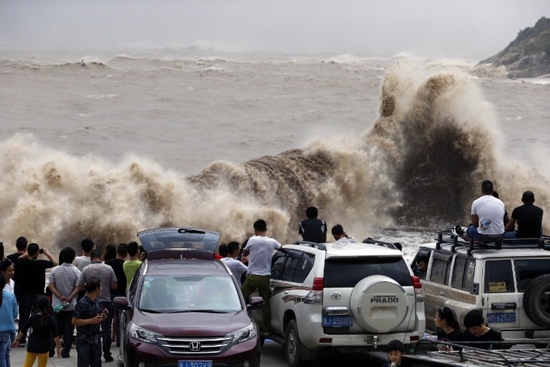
(487, 217)
(236, 266)
(63, 283)
(259, 250)
(84, 260)
(340, 235)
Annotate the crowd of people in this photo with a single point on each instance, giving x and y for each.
(78, 296)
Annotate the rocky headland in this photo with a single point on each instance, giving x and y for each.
(527, 56)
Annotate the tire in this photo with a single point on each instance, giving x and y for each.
(379, 304)
(294, 349)
(536, 300)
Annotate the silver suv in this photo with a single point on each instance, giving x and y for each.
(509, 282)
(349, 297)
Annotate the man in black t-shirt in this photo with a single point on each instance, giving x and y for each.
(529, 219)
(313, 229)
(477, 332)
(117, 265)
(32, 279)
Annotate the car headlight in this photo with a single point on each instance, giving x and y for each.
(244, 334)
(143, 334)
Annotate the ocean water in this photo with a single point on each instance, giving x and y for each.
(104, 144)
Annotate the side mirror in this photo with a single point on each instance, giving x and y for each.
(121, 303)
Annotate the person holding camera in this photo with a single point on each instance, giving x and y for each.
(32, 280)
(87, 317)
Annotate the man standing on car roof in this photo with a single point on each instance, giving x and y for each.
(313, 229)
(259, 250)
(487, 217)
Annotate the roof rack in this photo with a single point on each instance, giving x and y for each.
(320, 246)
(380, 243)
(464, 354)
(448, 237)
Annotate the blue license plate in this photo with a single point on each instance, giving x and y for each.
(501, 317)
(194, 363)
(337, 321)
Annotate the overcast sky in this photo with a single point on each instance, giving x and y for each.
(469, 29)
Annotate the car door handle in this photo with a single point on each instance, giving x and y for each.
(441, 293)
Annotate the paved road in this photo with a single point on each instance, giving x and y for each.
(17, 358)
(272, 356)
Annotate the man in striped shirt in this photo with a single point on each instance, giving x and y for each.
(63, 283)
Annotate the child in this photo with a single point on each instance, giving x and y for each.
(43, 329)
(395, 350)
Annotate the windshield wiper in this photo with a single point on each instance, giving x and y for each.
(150, 311)
(203, 310)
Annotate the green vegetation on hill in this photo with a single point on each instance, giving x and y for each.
(528, 55)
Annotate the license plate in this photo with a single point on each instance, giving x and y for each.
(337, 321)
(501, 317)
(194, 363)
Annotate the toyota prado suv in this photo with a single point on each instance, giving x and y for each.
(350, 297)
(508, 282)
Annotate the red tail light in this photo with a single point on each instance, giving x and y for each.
(317, 284)
(416, 282)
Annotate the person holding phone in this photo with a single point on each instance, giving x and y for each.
(106, 275)
(87, 317)
(31, 281)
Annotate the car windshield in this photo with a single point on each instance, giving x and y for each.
(182, 293)
(174, 238)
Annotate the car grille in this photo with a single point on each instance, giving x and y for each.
(194, 346)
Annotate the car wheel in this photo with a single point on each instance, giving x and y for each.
(379, 304)
(293, 346)
(536, 300)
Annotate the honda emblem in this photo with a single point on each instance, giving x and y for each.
(195, 346)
